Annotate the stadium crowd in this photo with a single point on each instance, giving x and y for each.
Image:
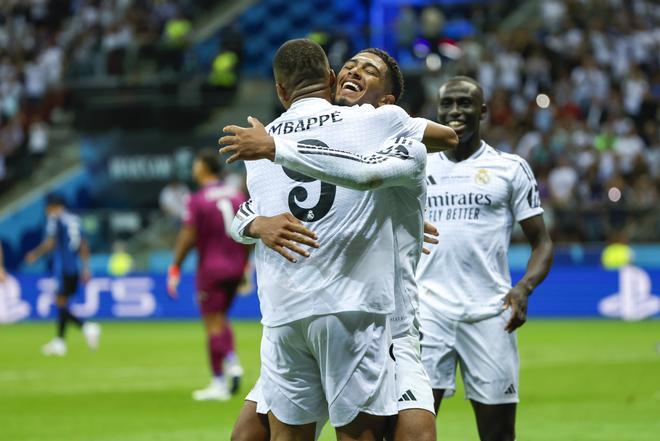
(43, 42)
(575, 93)
(576, 96)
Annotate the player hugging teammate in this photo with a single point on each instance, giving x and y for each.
(327, 350)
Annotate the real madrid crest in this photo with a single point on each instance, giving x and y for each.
(482, 177)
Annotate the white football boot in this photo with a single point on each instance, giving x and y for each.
(216, 391)
(92, 333)
(56, 347)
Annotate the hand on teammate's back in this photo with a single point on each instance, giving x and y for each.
(516, 299)
(247, 143)
(429, 231)
(3, 274)
(283, 233)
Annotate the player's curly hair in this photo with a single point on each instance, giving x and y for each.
(211, 160)
(395, 75)
(299, 62)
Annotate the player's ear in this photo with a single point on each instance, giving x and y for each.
(282, 94)
(484, 111)
(332, 77)
(387, 99)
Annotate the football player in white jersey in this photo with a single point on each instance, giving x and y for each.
(284, 233)
(399, 166)
(469, 310)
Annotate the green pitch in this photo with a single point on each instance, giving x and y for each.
(580, 380)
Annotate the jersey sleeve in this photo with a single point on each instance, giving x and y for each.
(189, 213)
(403, 124)
(399, 163)
(51, 226)
(244, 215)
(525, 199)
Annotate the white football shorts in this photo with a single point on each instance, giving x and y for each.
(257, 397)
(487, 354)
(336, 365)
(412, 382)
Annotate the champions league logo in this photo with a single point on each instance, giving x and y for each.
(12, 307)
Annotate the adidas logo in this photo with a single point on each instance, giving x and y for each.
(510, 390)
(408, 396)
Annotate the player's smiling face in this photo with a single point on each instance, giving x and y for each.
(363, 80)
(461, 107)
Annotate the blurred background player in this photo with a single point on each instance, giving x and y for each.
(3, 272)
(69, 248)
(469, 311)
(220, 268)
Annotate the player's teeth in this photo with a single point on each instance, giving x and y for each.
(352, 86)
(455, 123)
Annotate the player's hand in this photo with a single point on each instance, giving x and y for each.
(247, 143)
(31, 257)
(283, 233)
(3, 274)
(86, 275)
(429, 231)
(516, 299)
(173, 279)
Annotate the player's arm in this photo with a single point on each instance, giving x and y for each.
(44, 247)
(538, 266)
(400, 162)
(526, 207)
(396, 164)
(2, 265)
(84, 257)
(185, 241)
(438, 137)
(281, 233)
(435, 136)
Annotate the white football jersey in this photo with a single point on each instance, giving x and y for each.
(474, 204)
(356, 266)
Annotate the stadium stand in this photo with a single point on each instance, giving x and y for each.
(572, 86)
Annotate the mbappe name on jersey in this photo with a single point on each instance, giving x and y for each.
(304, 123)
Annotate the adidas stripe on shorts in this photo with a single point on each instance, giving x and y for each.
(412, 383)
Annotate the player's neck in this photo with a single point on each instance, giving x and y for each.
(319, 90)
(465, 149)
(206, 180)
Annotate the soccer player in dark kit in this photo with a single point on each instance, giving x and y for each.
(64, 238)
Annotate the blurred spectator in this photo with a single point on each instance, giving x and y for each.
(562, 181)
(38, 137)
(576, 94)
(173, 198)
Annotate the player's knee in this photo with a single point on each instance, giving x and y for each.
(245, 432)
(415, 425)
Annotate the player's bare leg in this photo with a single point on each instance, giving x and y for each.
(413, 425)
(437, 399)
(495, 422)
(280, 431)
(215, 325)
(364, 427)
(250, 425)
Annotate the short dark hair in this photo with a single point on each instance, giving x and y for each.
(466, 79)
(395, 75)
(54, 199)
(300, 61)
(211, 160)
